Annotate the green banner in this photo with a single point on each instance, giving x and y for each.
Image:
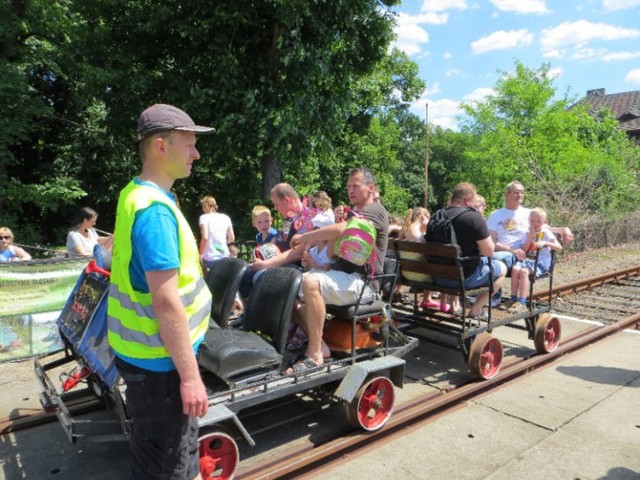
(32, 295)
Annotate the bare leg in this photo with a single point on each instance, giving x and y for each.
(484, 298)
(314, 315)
(523, 288)
(515, 280)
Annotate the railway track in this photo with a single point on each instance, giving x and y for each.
(594, 296)
(612, 299)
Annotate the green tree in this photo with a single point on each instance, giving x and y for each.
(34, 36)
(572, 164)
(290, 86)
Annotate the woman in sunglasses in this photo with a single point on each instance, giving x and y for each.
(8, 251)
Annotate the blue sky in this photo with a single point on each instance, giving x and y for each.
(461, 45)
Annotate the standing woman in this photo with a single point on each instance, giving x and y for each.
(216, 233)
(83, 236)
(8, 251)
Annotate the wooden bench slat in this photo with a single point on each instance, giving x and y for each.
(420, 262)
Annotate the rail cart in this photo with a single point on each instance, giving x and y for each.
(417, 265)
(241, 367)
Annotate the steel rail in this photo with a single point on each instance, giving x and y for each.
(412, 414)
(8, 425)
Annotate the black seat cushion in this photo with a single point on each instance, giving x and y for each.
(228, 353)
(348, 311)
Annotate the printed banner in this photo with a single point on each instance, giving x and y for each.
(32, 295)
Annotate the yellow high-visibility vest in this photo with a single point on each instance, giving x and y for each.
(133, 327)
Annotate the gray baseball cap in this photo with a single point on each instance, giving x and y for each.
(161, 117)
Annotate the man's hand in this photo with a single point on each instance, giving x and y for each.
(296, 240)
(519, 253)
(195, 402)
(307, 261)
(258, 265)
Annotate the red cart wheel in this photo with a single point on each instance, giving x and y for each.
(219, 455)
(547, 333)
(372, 406)
(485, 356)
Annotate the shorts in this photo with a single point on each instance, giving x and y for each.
(508, 258)
(164, 441)
(529, 264)
(478, 278)
(340, 288)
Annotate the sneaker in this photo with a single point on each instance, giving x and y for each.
(507, 304)
(481, 317)
(518, 307)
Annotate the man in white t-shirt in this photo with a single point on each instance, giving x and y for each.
(509, 226)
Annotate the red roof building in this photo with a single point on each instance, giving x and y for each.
(624, 106)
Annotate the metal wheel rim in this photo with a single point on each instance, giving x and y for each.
(373, 404)
(547, 333)
(486, 356)
(219, 456)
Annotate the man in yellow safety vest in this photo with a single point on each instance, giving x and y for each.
(159, 304)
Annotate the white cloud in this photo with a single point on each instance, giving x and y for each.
(521, 7)
(620, 56)
(555, 72)
(613, 5)
(410, 35)
(443, 5)
(587, 54)
(502, 40)
(447, 55)
(633, 76)
(554, 53)
(432, 90)
(452, 72)
(444, 113)
(479, 95)
(581, 32)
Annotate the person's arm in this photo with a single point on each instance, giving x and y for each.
(486, 246)
(285, 258)
(564, 234)
(174, 331)
(553, 245)
(551, 242)
(204, 238)
(329, 233)
(20, 253)
(499, 247)
(231, 236)
(106, 242)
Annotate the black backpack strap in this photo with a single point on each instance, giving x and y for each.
(467, 209)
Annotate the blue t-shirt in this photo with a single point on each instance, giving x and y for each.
(155, 246)
(7, 255)
(273, 233)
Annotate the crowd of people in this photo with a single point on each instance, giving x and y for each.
(158, 304)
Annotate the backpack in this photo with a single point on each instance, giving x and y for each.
(357, 241)
(440, 227)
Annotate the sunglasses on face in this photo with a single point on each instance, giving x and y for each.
(5, 237)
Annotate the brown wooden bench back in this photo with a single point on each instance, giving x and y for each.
(420, 262)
